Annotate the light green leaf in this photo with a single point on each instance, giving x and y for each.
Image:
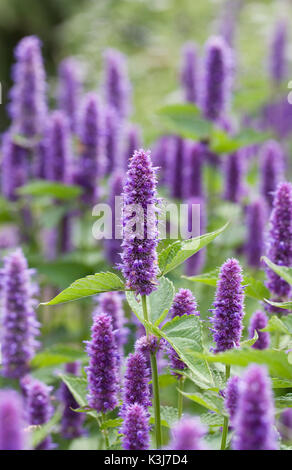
(284, 401)
(284, 305)
(169, 416)
(275, 324)
(89, 285)
(210, 400)
(283, 271)
(41, 432)
(111, 423)
(185, 120)
(249, 342)
(211, 419)
(58, 354)
(50, 189)
(78, 388)
(280, 383)
(179, 251)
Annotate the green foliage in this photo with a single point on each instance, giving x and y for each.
(56, 190)
(210, 400)
(41, 432)
(169, 416)
(57, 354)
(282, 271)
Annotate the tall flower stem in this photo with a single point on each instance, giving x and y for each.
(226, 420)
(155, 385)
(180, 397)
(105, 432)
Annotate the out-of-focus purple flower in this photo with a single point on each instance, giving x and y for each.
(28, 107)
(133, 141)
(112, 138)
(228, 307)
(117, 84)
(161, 155)
(139, 257)
(218, 66)
(184, 303)
(150, 344)
(70, 90)
(12, 436)
(66, 229)
(277, 116)
(285, 425)
(229, 19)
(14, 168)
(195, 157)
(9, 237)
(136, 387)
(231, 396)
(195, 263)
(113, 245)
(19, 324)
(39, 409)
(102, 370)
(71, 422)
(279, 243)
(135, 428)
(90, 134)
(40, 160)
(271, 169)
(188, 434)
(233, 171)
(59, 152)
(256, 218)
(254, 419)
(176, 168)
(189, 72)
(278, 53)
(258, 321)
(111, 303)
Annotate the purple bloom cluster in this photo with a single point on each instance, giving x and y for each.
(195, 263)
(12, 425)
(111, 303)
(176, 165)
(135, 428)
(69, 90)
(59, 153)
(254, 419)
(139, 258)
(102, 372)
(188, 434)
(271, 170)
(233, 171)
(279, 249)
(231, 396)
(132, 142)
(285, 425)
(278, 53)
(72, 422)
(255, 219)
(228, 307)
(117, 85)
(189, 72)
(19, 324)
(112, 137)
(195, 156)
(136, 387)
(258, 321)
(14, 167)
(161, 156)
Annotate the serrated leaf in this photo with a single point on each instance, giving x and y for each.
(87, 286)
(211, 419)
(41, 432)
(111, 423)
(283, 271)
(210, 400)
(168, 414)
(78, 388)
(179, 251)
(58, 354)
(275, 324)
(185, 120)
(52, 189)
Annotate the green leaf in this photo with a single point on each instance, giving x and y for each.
(280, 383)
(78, 388)
(211, 419)
(111, 423)
(284, 401)
(58, 354)
(249, 342)
(62, 272)
(179, 251)
(284, 305)
(283, 271)
(50, 189)
(275, 324)
(221, 142)
(169, 416)
(210, 400)
(158, 302)
(185, 120)
(89, 285)
(41, 432)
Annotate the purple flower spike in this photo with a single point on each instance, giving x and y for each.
(112, 137)
(228, 307)
(117, 85)
(188, 434)
(233, 171)
(256, 219)
(12, 435)
(14, 167)
(102, 371)
(184, 303)
(39, 409)
(278, 53)
(285, 425)
(139, 257)
(196, 262)
(218, 66)
(70, 90)
(279, 249)
(258, 321)
(136, 428)
(254, 419)
(28, 107)
(175, 173)
(113, 245)
(136, 387)
(161, 154)
(189, 72)
(133, 142)
(19, 324)
(59, 151)
(272, 169)
(111, 303)
(72, 422)
(195, 163)
(231, 396)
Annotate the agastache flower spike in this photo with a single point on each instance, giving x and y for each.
(161, 154)
(111, 303)
(132, 142)
(195, 168)
(278, 53)
(256, 218)
(254, 420)
(258, 321)
(188, 434)
(233, 171)
(279, 249)
(189, 72)
(14, 167)
(136, 387)
(102, 370)
(136, 428)
(72, 421)
(19, 324)
(59, 152)
(113, 245)
(231, 396)
(112, 137)
(228, 307)
(12, 436)
(117, 85)
(271, 169)
(69, 90)
(39, 409)
(175, 173)
(139, 258)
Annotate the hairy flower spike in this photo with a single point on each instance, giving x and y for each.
(233, 171)
(12, 436)
(228, 307)
(254, 419)
(19, 324)
(218, 64)
(135, 428)
(231, 396)
(72, 422)
(39, 409)
(271, 170)
(117, 85)
(136, 387)
(256, 218)
(139, 258)
(102, 370)
(15, 169)
(258, 321)
(69, 90)
(188, 434)
(111, 303)
(189, 72)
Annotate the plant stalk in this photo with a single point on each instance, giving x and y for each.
(226, 420)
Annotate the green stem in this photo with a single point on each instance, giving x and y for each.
(277, 339)
(180, 397)
(226, 420)
(155, 384)
(105, 433)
